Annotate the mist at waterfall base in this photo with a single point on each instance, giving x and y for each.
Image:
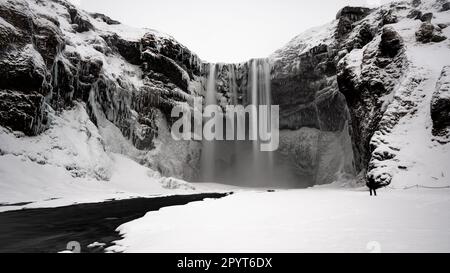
(242, 163)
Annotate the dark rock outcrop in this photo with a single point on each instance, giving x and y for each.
(23, 72)
(428, 33)
(415, 14)
(22, 69)
(129, 50)
(425, 33)
(17, 14)
(80, 22)
(416, 3)
(347, 16)
(427, 17)
(353, 13)
(391, 43)
(388, 17)
(440, 104)
(22, 111)
(380, 69)
(306, 95)
(104, 18)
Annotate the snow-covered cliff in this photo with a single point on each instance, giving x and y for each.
(383, 65)
(81, 94)
(126, 79)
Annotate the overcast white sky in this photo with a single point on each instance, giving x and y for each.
(225, 30)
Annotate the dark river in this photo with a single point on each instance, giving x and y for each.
(51, 229)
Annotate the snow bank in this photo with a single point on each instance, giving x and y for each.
(316, 220)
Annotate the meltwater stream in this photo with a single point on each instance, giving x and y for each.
(242, 163)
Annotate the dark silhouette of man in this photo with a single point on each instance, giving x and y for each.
(372, 187)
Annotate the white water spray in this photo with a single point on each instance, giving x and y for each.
(208, 158)
(242, 162)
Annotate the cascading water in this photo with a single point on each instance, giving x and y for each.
(261, 96)
(208, 158)
(241, 162)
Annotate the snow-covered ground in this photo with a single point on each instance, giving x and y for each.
(314, 220)
(73, 163)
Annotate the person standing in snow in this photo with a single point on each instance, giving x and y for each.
(372, 187)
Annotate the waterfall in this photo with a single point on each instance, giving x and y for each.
(239, 162)
(208, 157)
(261, 95)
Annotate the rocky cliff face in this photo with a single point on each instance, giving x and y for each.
(382, 85)
(440, 104)
(357, 70)
(53, 54)
(343, 88)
